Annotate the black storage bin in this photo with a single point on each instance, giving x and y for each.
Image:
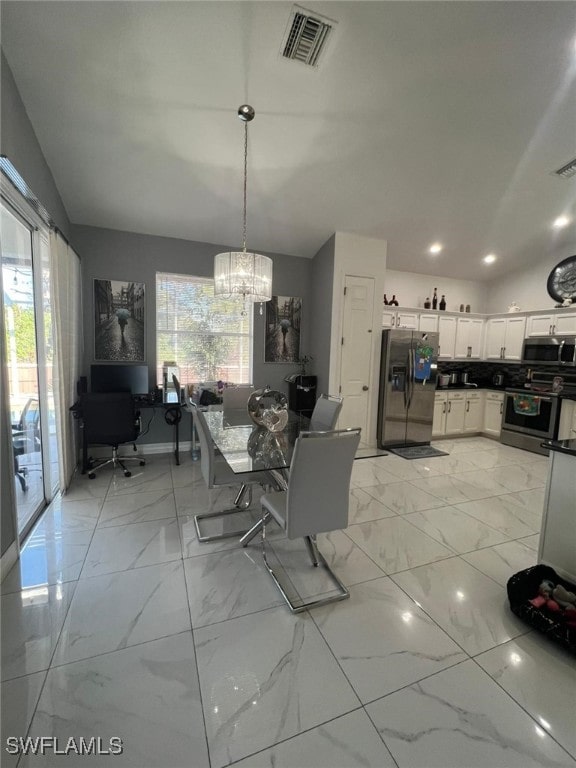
(523, 587)
(302, 394)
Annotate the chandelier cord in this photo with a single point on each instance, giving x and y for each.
(245, 179)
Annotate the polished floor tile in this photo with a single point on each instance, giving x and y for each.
(395, 545)
(501, 513)
(123, 547)
(114, 651)
(138, 508)
(48, 558)
(120, 609)
(265, 678)
(364, 507)
(461, 717)
(383, 641)
(19, 699)
(502, 561)
(191, 547)
(148, 696)
(228, 584)
(541, 677)
(469, 606)
(348, 741)
(31, 624)
(455, 529)
(404, 497)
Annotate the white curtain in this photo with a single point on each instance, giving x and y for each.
(66, 293)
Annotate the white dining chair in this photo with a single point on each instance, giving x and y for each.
(325, 414)
(235, 404)
(316, 501)
(217, 473)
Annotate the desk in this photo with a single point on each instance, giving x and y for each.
(172, 416)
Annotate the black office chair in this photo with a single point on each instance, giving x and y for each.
(26, 438)
(110, 418)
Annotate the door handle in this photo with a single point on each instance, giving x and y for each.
(364, 388)
(560, 348)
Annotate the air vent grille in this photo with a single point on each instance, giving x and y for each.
(568, 170)
(307, 37)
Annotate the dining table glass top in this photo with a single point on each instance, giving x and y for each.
(248, 448)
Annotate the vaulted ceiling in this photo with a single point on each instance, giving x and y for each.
(424, 122)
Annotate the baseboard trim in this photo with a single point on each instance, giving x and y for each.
(8, 560)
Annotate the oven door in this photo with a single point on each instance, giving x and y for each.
(542, 424)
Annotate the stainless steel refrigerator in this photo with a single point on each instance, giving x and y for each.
(408, 370)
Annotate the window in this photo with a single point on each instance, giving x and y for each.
(207, 336)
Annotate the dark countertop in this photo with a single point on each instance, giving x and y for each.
(562, 446)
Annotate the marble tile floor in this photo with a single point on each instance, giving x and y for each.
(118, 622)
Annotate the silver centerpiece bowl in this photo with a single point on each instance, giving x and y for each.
(268, 408)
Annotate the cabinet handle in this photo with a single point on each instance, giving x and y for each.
(443, 407)
(467, 407)
(554, 328)
(550, 331)
(503, 353)
(449, 406)
(501, 407)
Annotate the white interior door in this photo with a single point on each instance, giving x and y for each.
(356, 359)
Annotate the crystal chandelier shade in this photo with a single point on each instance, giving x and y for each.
(242, 273)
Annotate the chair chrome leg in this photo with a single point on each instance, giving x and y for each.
(239, 506)
(255, 530)
(239, 500)
(312, 550)
(342, 593)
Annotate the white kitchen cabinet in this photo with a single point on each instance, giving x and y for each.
(505, 337)
(557, 324)
(455, 411)
(428, 323)
(447, 339)
(474, 412)
(567, 425)
(468, 342)
(439, 422)
(493, 407)
(400, 319)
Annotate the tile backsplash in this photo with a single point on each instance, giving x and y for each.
(481, 373)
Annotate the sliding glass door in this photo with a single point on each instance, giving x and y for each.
(27, 324)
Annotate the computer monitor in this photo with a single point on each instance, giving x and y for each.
(119, 378)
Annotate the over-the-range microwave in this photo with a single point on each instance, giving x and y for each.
(550, 350)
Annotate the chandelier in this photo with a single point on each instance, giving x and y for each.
(242, 273)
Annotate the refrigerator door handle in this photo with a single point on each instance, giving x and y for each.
(410, 375)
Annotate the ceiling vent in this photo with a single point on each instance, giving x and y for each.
(307, 36)
(568, 170)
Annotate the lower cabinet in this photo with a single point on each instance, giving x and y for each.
(493, 408)
(474, 412)
(455, 412)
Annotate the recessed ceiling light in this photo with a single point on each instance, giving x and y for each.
(561, 221)
(436, 248)
(489, 259)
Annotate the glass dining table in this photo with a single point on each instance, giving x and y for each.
(248, 448)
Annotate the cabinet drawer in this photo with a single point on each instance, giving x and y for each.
(457, 396)
(473, 395)
(495, 396)
(440, 396)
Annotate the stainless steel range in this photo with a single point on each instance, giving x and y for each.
(531, 413)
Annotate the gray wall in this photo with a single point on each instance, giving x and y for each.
(21, 147)
(116, 255)
(321, 329)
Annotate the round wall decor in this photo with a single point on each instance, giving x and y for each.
(561, 283)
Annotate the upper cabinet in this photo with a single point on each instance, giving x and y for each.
(469, 338)
(447, 338)
(505, 337)
(399, 318)
(553, 324)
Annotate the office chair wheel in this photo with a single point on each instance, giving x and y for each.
(91, 475)
(142, 463)
(127, 473)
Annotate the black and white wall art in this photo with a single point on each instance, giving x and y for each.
(282, 336)
(119, 321)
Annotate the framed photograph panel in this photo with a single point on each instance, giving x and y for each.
(119, 321)
(282, 334)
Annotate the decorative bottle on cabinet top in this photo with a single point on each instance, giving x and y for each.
(434, 300)
(442, 304)
(394, 301)
(385, 300)
(427, 303)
